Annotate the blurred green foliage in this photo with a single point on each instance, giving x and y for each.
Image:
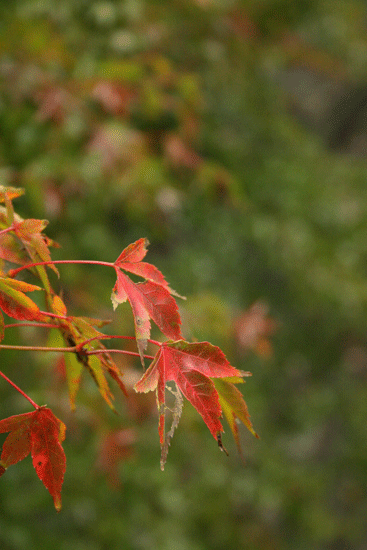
(171, 120)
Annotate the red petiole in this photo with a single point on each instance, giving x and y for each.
(19, 390)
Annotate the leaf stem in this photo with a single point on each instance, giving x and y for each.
(55, 315)
(73, 349)
(19, 390)
(6, 230)
(30, 324)
(125, 352)
(155, 342)
(108, 336)
(14, 272)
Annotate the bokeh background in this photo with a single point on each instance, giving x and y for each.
(233, 135)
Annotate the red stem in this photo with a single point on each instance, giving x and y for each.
(6, 230)
(30, 324)
(13, 272)
(155, 342)
(19, 390)
(107, 337)
(54, 315)
(133, 353)
(74, 349)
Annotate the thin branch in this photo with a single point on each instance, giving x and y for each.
(19, 390)
(6, 230)
(54, 315)
(73, 349)
(155, 342)
(107, 337)
(31, 324)
(14, 272)
(125, 352)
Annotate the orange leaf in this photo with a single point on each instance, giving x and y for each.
(233, 407)
(12, 250)
(10, 192)
(15, 303)
(30, 233)
(77, 330)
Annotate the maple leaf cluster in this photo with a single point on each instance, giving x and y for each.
(199, 371)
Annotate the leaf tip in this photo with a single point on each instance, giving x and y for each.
(142, 344)
(57, 503)
(114, 301)
(220, 444)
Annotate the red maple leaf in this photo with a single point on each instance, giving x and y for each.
(189, 365)
(41, 434)
(150, 299)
